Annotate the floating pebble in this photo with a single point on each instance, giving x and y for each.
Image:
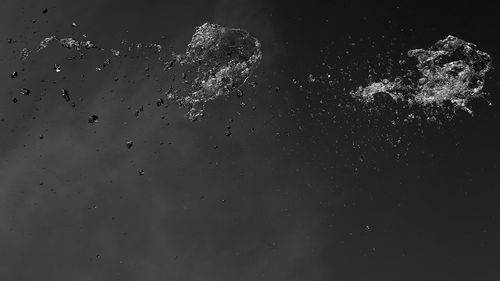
(129, 144)
(25, 91)
(65, 95)
(93, 119)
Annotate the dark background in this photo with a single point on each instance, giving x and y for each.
(307, 186)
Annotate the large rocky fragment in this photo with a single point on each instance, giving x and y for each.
(223, 58)
(452, 70)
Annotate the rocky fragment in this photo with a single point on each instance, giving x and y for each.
(223, 58)
(452, 70)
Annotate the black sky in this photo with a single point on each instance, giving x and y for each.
(306, 187)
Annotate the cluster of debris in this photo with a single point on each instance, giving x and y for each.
(223, 58)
